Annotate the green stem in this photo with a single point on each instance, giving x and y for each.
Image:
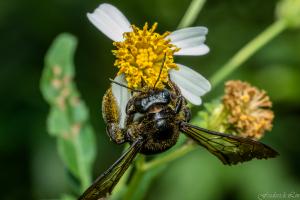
(246, 52)
(191, 13)
(122, 184)
(137, 177)
(169, 157)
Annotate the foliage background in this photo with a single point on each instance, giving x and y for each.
(30, 167)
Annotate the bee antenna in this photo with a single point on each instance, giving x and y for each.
(161, 68)
(125, 86)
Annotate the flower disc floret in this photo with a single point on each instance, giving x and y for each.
(141, 56)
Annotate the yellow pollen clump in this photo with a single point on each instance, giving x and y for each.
(245, 98)
(248, 109)
(140, 57)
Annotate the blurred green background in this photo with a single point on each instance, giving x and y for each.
(30, 167)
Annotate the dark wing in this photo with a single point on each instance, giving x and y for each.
(105, 183)
(228, 148)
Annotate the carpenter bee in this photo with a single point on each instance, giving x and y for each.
(154, 118)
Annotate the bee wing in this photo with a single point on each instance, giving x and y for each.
(105, 183)
(228, 148)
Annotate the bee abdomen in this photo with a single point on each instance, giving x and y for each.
(164, 138)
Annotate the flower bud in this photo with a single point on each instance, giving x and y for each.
(289, 11)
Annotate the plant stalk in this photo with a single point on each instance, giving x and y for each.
(247, 51)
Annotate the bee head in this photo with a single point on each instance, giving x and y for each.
(146, 100)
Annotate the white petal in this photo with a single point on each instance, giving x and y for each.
(193, 51)
(196, 100)
(189, 32)
(110, 21)
(122, 96)
(190, 40)
(191, 82)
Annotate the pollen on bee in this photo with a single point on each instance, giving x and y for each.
(141, 56)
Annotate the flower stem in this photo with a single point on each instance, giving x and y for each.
(246, 52)
(134, 183)
(191, 13)
(186, 148)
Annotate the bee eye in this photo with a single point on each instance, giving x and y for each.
(166, 95)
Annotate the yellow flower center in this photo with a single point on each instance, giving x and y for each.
(141, 55)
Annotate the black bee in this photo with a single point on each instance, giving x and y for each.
(154, 119)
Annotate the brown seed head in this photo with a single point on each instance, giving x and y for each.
(248, 109)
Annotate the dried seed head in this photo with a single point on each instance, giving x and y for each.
(248, 108)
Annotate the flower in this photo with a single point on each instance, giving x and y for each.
(244, 111)
(248, 109)
(143, 55)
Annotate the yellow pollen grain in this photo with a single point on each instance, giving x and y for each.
(245, 98)
(140, 57)
(243, 117)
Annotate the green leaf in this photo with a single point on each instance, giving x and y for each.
(87, 141)
(61, 53)
(67, 152)
(79, 112)
(58, 66)
(212, 117)
(68, 117)
(58, 122)
(78, 152)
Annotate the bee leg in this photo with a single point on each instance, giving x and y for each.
(178, 105)
(133, 133)
(130, 107)
(181, 107)
(115, 133)
(181, 103)
(187, 113)
(118, 134)
(111, 116)
(174, 88)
